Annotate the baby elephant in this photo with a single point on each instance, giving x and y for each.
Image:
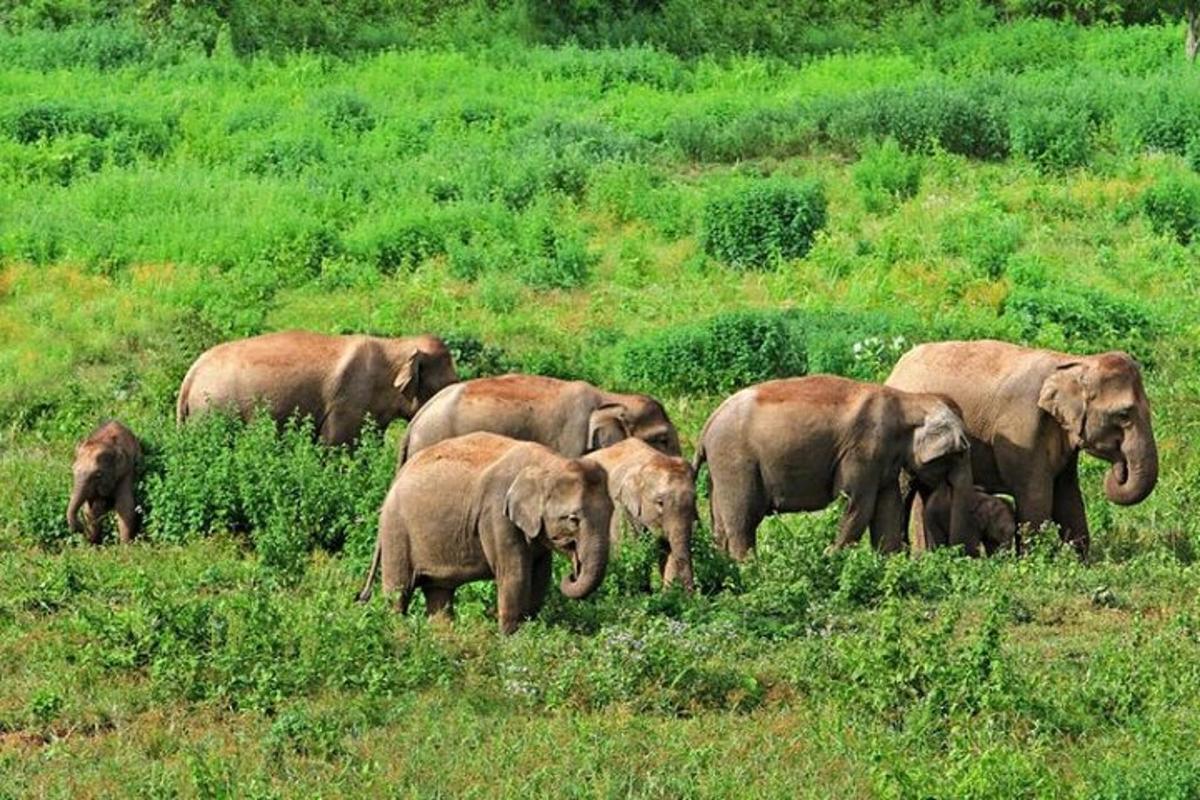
(485, 506)
(658, 492)
(992, 518)
(106, 465)
(796, 444)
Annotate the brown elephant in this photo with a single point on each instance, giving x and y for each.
(106, 465)
(336, 380)
(991, 517)
(658, 493)
(569, 417)
(1030, 412)
(486, 506)
(796, 444)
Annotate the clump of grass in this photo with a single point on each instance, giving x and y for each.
(757, 224)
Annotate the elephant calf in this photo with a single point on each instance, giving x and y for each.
(106, 465)
(659, 493)
(992, 519)
(569, 417)
(485, 506)
(796, 444)
(336, 380)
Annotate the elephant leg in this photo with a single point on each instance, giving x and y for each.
(439, 601)
(341, 426)
(1069, 512)
(512, 595)
(1035, 505)
(738, 507)
(919, 537)
(126, 508)
(539, 584)
(860, 510)
(887, 520)
(395, 570)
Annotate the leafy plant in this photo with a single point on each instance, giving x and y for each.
(757, 224)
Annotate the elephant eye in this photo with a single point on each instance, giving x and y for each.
(571, 519)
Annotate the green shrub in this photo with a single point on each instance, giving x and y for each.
(1172, 205)
(42, 506)
(1084, 320)
(1166, 115)
(284, 155)
(757, 224)
(887, 175)
(984, 235)
(553, 250)
(1052, 137)
(756, 133)
(633, 191)
(345, 112)
(720, 355)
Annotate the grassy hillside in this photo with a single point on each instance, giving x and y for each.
(648, 222)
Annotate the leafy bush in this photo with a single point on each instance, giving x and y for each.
(285, 490)
(720, 355)
(757, 224)
(986, 236)
(1052, 137)
(1086, 320)
(887, 175)
(284, 155)
(553, 251)
(1172, 205)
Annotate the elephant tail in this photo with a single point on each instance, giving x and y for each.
(369, 586)
(181, 406)
(700, 458)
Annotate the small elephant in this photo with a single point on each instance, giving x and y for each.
(106, 465)
(658, 492)
(1031, 412)
(336, 380)
(992, 518)
(796, 444)
(486, 506)
(569, 417)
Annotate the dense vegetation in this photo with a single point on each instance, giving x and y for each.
(649, 195)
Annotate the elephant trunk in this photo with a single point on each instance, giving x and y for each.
(678, 567)
(1131, 478)
(962, 526)
(590, 563)
(73, 507)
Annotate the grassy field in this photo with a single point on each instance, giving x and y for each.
(683, 226)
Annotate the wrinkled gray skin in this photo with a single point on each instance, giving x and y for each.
(569, 417)
(336, 380)
(658, 493)
(106, 465)
(1030, 412)
(485, 506)
(796, 444)
(992, 518)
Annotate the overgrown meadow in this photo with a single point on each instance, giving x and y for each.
(644, 217)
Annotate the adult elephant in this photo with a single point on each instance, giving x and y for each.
(1030, 412)
(569, 417)
(485, 506)
(798, 443)
(336, 380)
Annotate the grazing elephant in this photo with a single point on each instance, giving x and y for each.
(658, 492)
(106, 465)
(485, 506)
(1030, 412)
(796, 444)
(337, 380)
(991, 517)
(569, 417)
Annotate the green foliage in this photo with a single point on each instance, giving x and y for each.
(1054, 139)
(1083, 320)
(757, 224)
(886, 175)
(554, 253)
(986, 236)
(1172, 205)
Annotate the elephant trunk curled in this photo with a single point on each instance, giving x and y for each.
(590, 564)
(73, 507)
(1133, 476)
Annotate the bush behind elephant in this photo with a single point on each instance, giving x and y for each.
(484, 506)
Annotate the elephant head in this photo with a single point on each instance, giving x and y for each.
(421, 372)
(940, 455)
(571, 509)
(1102, 407)
(632, 415)
(661, 496)
(995, 520)
(95, 475)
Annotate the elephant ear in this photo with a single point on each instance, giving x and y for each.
(940, 434)
(1064, 396)
(630, 492)
(607, 425)
(409, 376)
(525, 501)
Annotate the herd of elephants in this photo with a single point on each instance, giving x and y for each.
(497, 473)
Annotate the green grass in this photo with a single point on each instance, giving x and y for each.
(547, 209)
